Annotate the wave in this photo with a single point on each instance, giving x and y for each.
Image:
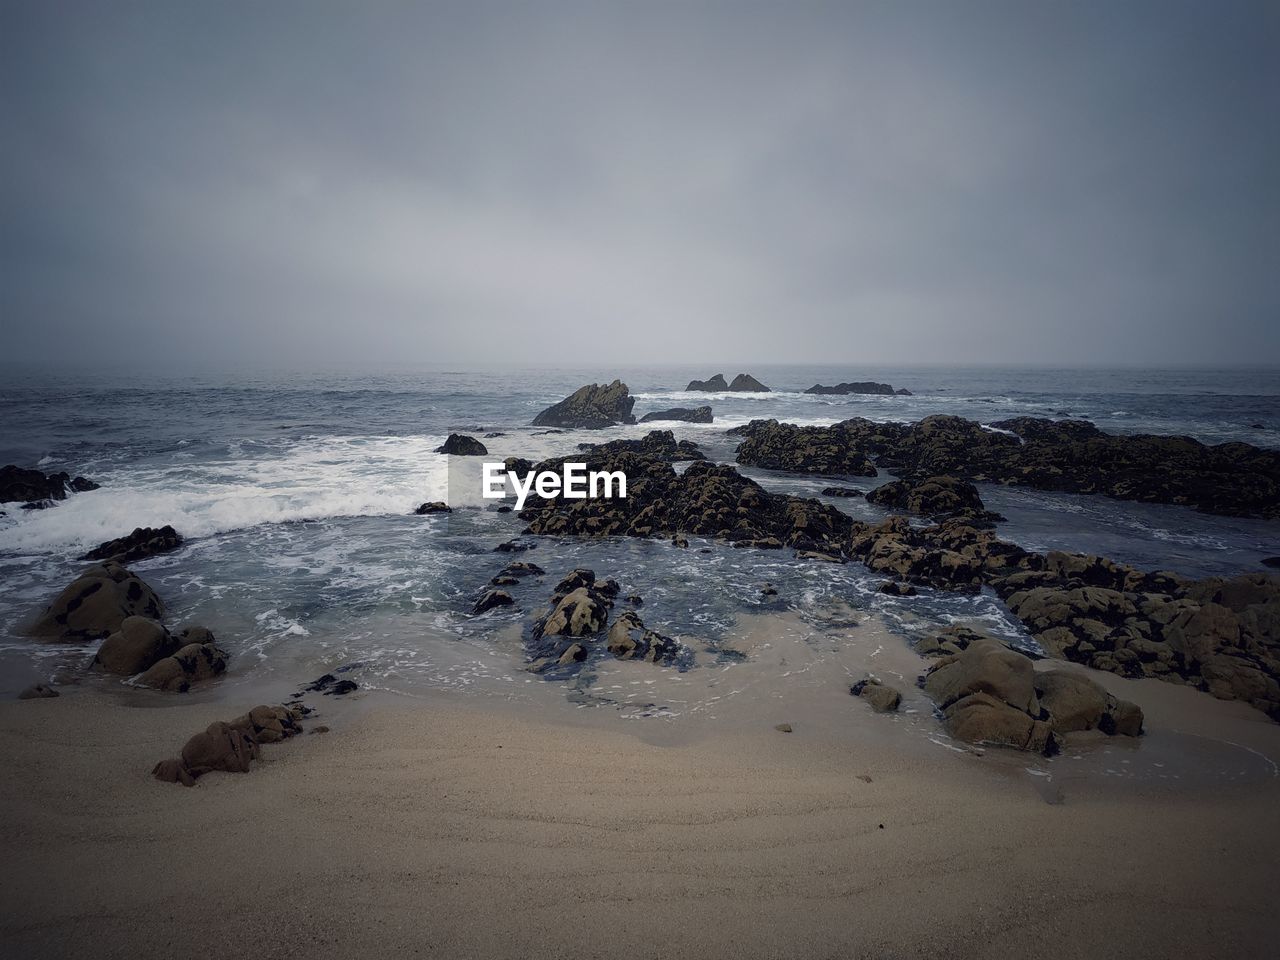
(250, 483)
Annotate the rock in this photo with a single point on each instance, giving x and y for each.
(982, 718)
(96, 603)
(136, 646)
(655, 445)
(1271, 561)
(782, 727)
(841, 492)
(342, 688)
(460, 445)
(574, 653)
(936, 497)
(630, 640)
(514, 546)
(435, 506)
(989, 667)
(38, 692)
(522, 568)
(679, 541)
(494, 598)
(590, 407)
(1075, 702)
(143, 542)
(746, 383)
(577, 614)
(687, 414)
(883, 698)
(20, 485)
(198, 658)
(862, 387)
(782, 446)
(768, 590)
(893, 588)
(716, 384)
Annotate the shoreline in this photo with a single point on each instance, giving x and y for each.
(477, 830)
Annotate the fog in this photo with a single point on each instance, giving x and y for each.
(1070, 183)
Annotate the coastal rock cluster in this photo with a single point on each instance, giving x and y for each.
(990, 693)
(869, 387)
(109, 602)
(142, 543)
(935, 497)
(230, 746)
(655, 445)
(590, 408)
(742, 383)
(35, 490)
(1074, 456)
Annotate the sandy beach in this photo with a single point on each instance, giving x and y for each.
(465, 828)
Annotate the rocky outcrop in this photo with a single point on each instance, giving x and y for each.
(96, 603)
(783, 446)
(745, 383)
(706, 499)
(229, 747)
(716, 384)
(991, 694)
(936, 497)
(861, 387)
(655, 445)
(142, 543)
(1233, 479)
(629, 639)
(460, 445)
(31, 486)
(687, 414)
(591, 407)
(198, 658)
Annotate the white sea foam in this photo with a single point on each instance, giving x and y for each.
(310, 478)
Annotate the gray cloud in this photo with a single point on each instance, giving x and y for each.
(904, 182)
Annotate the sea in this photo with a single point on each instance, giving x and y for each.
(295, 492)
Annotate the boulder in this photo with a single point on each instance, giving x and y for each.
(591, 407)
(985, 666)
(1075, 702)
(19, 485)
(40, 691)
(687, 414)
(135, 647)
(883, 698)
(96, 603)
(460, 445)
(629, 639)
(578, 613)
(435, 506)
(716, 384)
(198, 658)
(493, 598)
(983, 718)
(142, 543)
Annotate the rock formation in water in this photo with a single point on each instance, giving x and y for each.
(687, 414)
(862, 387)
(591, 407)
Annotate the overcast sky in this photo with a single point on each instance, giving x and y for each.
(1066, 182)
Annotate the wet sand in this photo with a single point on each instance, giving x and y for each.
(459, 826)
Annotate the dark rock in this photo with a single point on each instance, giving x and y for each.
(96, 604)
(590, 407)
(143, 542)
(768, 590)
(716, 384)
(198, 658)
(936, 497)
(460, 445)
(20, 485)
(38, 692)
(783, 727)
(1271, 561)
(494, 598)
(782, 446)
(522, 568)
(746, 383)
(229, 747)
(654, 445)
(435, 506)
(861, 387)
(687, 414)
(841, 492)
(514, 546)
(629, 639)
(893, 588)
(342, 688)
(494, 434)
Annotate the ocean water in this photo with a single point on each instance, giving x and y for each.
(295, 493)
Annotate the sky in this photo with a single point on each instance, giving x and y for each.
(1088, 182)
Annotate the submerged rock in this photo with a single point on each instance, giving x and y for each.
(96, 603)
(590, 407)
(460, 445)
(142, 543)
(687, 414)
(629, 639)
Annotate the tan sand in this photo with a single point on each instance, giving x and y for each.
(446, 828)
